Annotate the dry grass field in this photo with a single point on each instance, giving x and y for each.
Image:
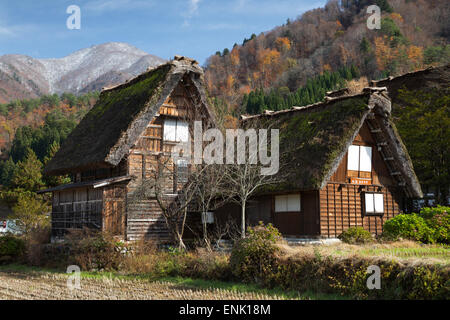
(22, 282)
(404, 251)
(53, 286)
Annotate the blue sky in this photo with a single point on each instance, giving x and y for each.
(195, 28)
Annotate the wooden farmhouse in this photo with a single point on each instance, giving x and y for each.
(343, 158)
(118, 143)
(343, 165)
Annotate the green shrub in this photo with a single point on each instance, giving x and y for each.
(408, 226)
(431, 225)
(11, 247)
(356, 235)
(438, 219)
(253, 257)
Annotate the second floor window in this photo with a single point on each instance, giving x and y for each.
(176, 130)
(359, 158)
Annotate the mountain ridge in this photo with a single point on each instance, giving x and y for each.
(23, 77)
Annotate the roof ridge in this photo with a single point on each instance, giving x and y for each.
(178, 62)
(327, 99)
(390, 78)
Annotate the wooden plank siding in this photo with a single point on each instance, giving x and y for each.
(114, 211)
(341, 207)
(145, 220)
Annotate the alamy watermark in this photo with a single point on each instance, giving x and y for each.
(73, 22)
(232, 148)
(374, 21)
(74, 280)
(374, 280)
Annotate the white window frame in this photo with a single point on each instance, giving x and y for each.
(178, 135)
(283, 204)
(367, 167)
(373, 203)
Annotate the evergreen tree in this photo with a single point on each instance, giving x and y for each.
(364, 46)
(7, 172)
(313, 91)
(28, 173)
(54, 180)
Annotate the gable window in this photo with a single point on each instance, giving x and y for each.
(373, 203)
(287, 203)
(176, 130)
(359, 161)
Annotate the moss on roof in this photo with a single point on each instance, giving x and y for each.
(311, 140)
(91, 141)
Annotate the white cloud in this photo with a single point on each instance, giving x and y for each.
(6, 31)
(10, 31)
(192, 10)
(193, 6)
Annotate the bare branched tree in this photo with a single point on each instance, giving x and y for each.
(209, 195)
(249, 174)
(172, 195)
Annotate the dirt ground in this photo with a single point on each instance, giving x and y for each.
(49, 286)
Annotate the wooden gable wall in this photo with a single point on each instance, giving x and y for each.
(341, 202)
(144, 217)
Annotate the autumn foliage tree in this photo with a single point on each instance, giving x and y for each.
(330, 38)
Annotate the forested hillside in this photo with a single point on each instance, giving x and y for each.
(277, 64)
(32, 113)
(32, 131)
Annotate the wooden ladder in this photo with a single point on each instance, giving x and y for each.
(385, 151)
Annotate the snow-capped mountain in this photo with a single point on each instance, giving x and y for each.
(84, 70)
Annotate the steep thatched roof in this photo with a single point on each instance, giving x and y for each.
(314, 139)
(434, 78)
(121, 114)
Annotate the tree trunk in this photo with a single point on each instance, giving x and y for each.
(181, 244)
(243, 220)
(205, 232)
